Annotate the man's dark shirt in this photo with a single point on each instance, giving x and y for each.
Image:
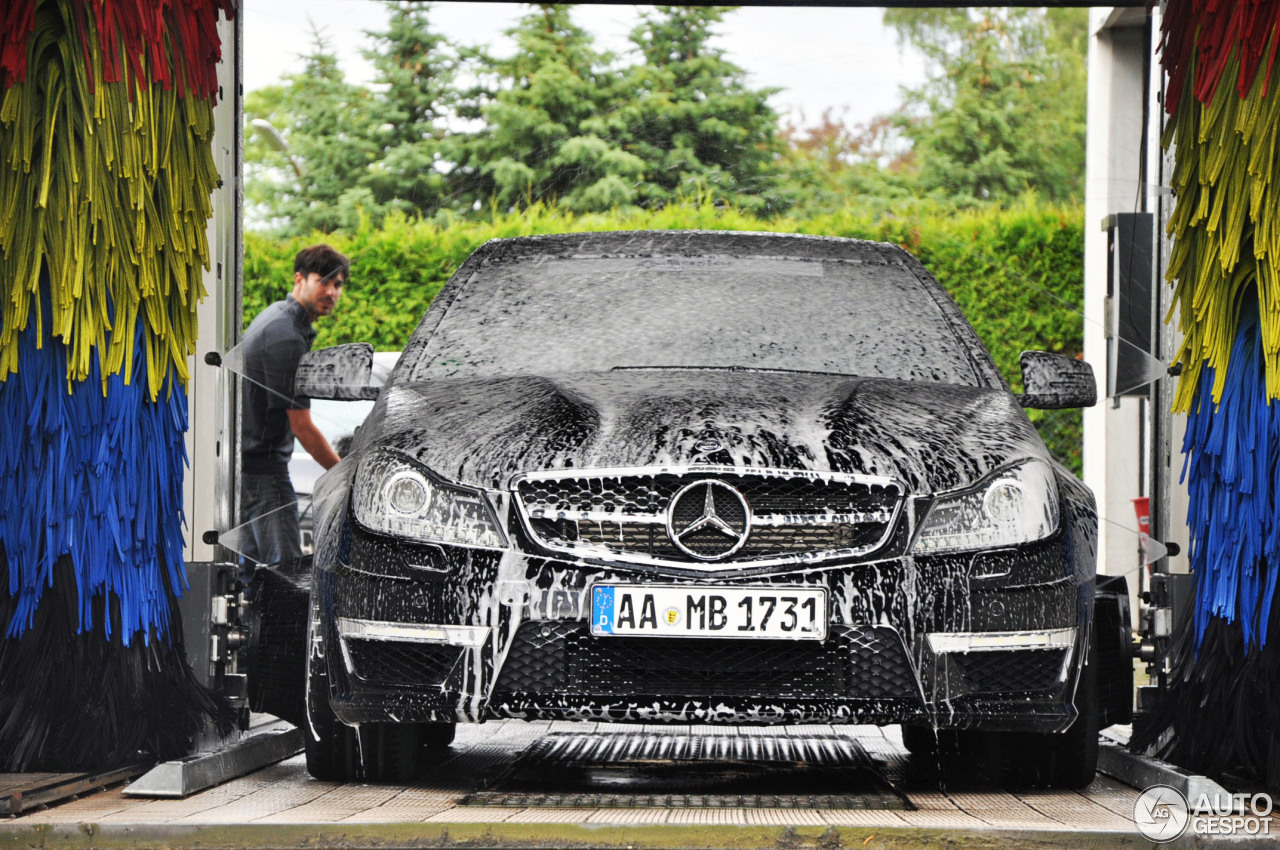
(273, 345)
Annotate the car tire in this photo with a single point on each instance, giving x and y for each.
(377, 752)
(1050, 760)
(333, 751)
(402, 752)
(926, 741)
(393, 752)
(438, 736)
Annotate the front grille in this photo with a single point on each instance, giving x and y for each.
(398, 663)
(793, 515)
(1011, 671)
(562, 658)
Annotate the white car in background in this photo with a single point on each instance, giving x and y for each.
(338, 421)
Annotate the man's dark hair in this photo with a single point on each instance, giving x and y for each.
(322, 260)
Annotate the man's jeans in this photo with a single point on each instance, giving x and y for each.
(270, 507)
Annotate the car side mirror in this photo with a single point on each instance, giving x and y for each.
(1056, 382)
(343, 372)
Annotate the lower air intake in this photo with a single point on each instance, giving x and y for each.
(398, 663)
(856, 663)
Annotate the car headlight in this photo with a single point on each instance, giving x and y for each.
(1017, 504)
(394, 495)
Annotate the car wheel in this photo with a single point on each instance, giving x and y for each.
(377, 752)
(392, 751)
(438, 736)
(926, 741)
(402, 752)
(333, 753)
(1052, 760)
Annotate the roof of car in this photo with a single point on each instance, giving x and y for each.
(693, 243)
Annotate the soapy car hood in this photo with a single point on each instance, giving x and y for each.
(482, 432)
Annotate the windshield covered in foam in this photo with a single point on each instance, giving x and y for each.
(546, 316)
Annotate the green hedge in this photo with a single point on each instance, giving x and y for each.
(1017, 273)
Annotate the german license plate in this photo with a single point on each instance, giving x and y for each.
(660, 610)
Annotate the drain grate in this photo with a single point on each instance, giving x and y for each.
(685, 771)
(608, 748)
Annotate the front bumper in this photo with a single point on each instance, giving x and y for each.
(437, 633)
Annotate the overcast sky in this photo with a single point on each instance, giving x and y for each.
(821, 58)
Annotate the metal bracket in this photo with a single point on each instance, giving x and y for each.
(1141, 772)
(266, 745)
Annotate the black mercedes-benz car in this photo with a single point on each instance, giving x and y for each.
(711, 478)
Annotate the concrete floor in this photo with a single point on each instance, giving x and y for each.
(282, 806)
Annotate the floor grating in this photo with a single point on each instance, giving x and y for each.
(21, 793)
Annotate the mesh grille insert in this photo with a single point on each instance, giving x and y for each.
(1011, 671)
(863, 663)
(399, 663)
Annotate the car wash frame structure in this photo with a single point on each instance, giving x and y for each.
(105, 386)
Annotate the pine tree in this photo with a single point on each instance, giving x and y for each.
(328, 125)
(699, 126)
(417, 69)
(1004, 111)
(551, 124)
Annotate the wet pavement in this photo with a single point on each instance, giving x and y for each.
(560, 784)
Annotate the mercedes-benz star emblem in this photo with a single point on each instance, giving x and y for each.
(708, 520)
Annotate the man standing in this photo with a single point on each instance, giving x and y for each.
(272, 415)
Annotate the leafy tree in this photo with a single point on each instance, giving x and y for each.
(551, 127)
(1004, 110)
(695, 122)
(417, 70)
(328, 126)
(832, 164)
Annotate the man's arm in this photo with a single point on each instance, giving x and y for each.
(311, 438)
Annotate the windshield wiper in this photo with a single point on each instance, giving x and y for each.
(726, 369)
